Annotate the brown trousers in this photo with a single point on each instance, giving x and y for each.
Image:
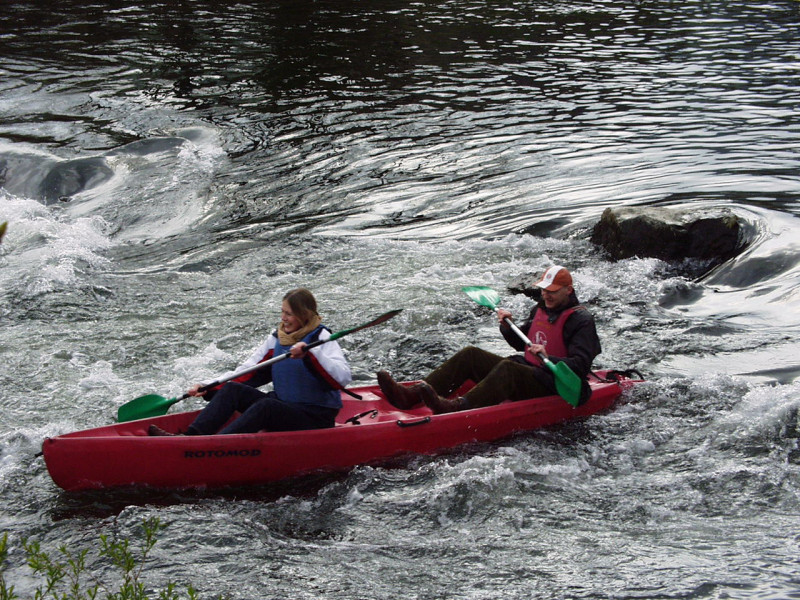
(497, 378)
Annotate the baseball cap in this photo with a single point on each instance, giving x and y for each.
(554, 278)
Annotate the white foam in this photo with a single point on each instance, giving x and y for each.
(43, 251)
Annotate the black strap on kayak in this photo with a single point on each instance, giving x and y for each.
(616, 376)
(356, 419)
(353, 394)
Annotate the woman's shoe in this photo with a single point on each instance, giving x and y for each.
(157, 431)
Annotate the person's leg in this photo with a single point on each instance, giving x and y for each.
(470, 363)
(232, 397)
(272, 414)
(509, 380)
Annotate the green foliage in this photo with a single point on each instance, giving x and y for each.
(67, 577)
(6, 592)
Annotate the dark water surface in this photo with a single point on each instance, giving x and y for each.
(169, 170)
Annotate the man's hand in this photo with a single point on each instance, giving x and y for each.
(538, 349)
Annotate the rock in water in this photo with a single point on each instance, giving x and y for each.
(670, 235)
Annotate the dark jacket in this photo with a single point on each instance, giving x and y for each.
(580, 338)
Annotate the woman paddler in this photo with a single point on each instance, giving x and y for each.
(306, 389)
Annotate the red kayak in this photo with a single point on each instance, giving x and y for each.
(367, 431)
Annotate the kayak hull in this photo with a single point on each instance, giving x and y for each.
(124, 455)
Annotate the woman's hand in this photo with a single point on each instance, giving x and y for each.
(298, 350)
(195, 391)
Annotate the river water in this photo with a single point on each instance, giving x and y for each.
(169, 170)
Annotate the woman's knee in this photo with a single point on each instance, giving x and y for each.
(240, 396)
(254, 418)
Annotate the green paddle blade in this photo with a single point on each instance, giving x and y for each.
(485, 296)
(144, 407)
(568, 384)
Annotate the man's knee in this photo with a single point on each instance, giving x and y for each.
(506, 368)
(519, 380)
(475, 355)
(467, 351)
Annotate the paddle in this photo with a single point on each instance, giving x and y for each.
(568, 384)
(153, 405)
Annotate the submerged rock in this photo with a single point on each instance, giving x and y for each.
(670, 234)
(70, 177)
(692, 241)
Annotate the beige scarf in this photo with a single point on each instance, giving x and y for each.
(290, 339)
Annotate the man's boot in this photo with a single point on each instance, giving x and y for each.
(400, 396)
(404, 397)
(439, 404)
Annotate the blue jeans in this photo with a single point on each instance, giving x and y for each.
(259, 411)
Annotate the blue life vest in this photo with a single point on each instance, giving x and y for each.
(296, 380)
